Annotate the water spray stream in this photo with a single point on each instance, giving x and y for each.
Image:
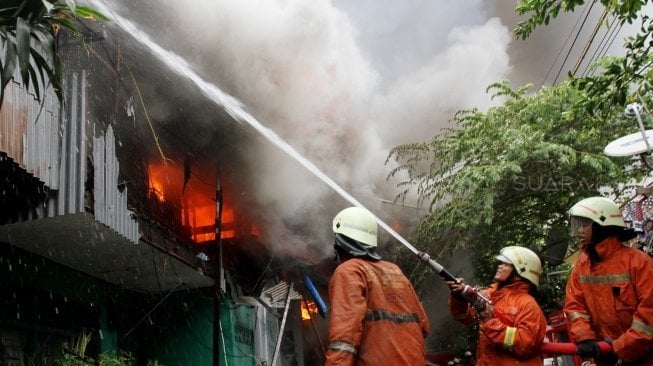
(235, 108)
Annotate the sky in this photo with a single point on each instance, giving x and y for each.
(343, 82)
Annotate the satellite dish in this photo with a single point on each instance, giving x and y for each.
(629, 145)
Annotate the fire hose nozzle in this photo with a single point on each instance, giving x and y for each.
(437, 267)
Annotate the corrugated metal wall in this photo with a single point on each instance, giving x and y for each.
(111, 203)
(72, 163)
(29, 132)
(51, 142)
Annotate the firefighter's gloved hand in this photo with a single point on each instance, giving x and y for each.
(456, 288)
(486, 313)
(588, 348)
(610, 358)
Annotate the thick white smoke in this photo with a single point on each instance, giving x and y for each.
(342, 82)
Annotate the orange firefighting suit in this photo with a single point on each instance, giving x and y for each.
(514, 334)
(376, 317)
(613, 299)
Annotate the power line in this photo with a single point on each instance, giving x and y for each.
(605, 41)
(609, 44)
(589, 41)
(561, 49)
(574, 42)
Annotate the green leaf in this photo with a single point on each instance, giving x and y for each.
(10, 63)
(88, 13)
(35, 82)
(43, 67)
(49, 7)
(71, 5)
(27, 32)
(23, 47)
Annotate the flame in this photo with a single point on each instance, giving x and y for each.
(308, 307)
(196, 198)
(157, 179)
(228, 230)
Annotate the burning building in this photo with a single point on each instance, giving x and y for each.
(125, 230)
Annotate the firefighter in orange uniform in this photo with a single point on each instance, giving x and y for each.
(513, 326)
(376, 317)
(610, 290)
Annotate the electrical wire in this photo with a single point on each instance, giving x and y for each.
(151, 311)
(574, 42)
(267, 267)
(604, 44)
(590, 41)
(561, 49)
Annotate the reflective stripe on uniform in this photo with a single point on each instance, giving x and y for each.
(374, 315)
(343, 347)
(605, 280)
(509, 338)
(576, 315)
(642, 327)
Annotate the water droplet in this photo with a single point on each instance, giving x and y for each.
(56, 310)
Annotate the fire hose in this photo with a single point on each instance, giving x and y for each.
(478, 300)
(555, 348)
(469, 293)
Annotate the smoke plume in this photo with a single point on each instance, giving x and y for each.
(342, 82)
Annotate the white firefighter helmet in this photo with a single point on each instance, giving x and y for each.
(600, 210)
(527, 264)
(358, 224)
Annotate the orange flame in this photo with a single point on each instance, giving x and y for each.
(196, 198)
(158, 177)
(308, 308)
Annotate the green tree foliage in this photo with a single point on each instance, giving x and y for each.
(508, 175)
(28, 29)
(541, 12)
(618, 77)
